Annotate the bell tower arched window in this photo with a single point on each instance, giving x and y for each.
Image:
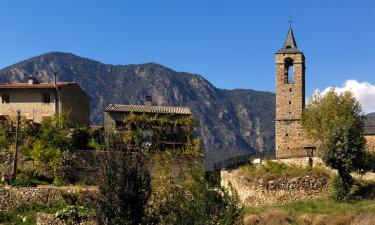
(289, 73)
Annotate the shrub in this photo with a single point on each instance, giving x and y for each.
(46, 159)
(193, 201)
(74, 214)
(124, 188)
(22, 180)
(341, 188)
(80, 139)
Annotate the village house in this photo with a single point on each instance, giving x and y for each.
(150, 126)
(369, 133)
(37, 101)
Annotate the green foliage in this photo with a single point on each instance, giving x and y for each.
(49, 150)
(74, 214)
(93, 144)
(272, 170)
(194, 201)
(151, 133)
(124, 188)
(341, 188)
(22, 180)
(202, 203)
(26, 214)
(54, 132)
(80, 139)
(46, 159)
(335, 121)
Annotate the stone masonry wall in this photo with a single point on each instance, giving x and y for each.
(289, 105)
(12, 196)
(370, 139)
(75, 101)
(279, 191)
(290, 101)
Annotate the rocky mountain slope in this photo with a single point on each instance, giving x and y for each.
(232, 122)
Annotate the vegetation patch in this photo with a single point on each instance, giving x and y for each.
(271, 170)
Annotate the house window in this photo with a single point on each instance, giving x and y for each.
(5, 98)
(46, 98)
(119, 125)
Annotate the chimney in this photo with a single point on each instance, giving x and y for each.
(55, 78)
(148, 102)
(32, 80)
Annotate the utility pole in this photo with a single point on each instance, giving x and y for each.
(16, 147)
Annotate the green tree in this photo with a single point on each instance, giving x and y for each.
(53, 140)
(124, 187)
(335, 121)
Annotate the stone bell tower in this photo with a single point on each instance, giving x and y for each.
(290, 99)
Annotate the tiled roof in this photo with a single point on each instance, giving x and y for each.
(144, 109)
(38, 85)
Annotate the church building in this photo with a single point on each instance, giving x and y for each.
(290, 102)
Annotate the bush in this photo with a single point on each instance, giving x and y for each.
(197, 200)
(80, 139)
(124, 188)
(341, 188)
(74, 214)
(46, 159)
(22, 180)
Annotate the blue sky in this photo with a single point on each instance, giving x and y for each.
(230, 43)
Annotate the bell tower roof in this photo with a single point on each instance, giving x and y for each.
(290, 44)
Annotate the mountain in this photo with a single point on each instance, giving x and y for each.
(370, 115)
(232, 122)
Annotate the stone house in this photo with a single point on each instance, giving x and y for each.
(369, 133)
(165, 126)
(37, 101)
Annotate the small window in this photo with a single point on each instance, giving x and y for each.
(46, 98)
(119, 125)
(5, 98)
(290, 102)
(286, 135)
(290, 90)
(175, 129)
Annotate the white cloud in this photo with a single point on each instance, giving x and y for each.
(363, 91)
